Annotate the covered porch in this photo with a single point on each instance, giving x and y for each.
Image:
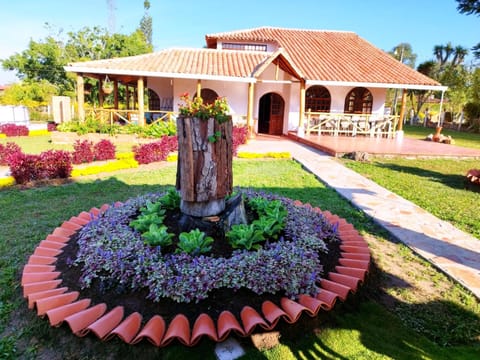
(339, 146)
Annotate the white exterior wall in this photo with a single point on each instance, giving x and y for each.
(237, 95)
(339, 93)
(235, 92)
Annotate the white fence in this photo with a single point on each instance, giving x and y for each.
(17, 115)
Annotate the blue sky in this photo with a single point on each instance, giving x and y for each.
(184, 23)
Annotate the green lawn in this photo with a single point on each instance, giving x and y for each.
(464, 139)
(362, 328)
(38, 144)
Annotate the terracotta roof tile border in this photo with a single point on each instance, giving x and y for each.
(42, 291)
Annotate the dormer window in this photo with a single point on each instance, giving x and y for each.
(244, 46)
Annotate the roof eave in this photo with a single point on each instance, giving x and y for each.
(378, 85)
(106, 71)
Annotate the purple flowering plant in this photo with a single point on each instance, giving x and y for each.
(110, 249)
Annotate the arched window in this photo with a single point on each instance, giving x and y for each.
(359, 101)
(153, 100)
(317, 98)
(208, 96)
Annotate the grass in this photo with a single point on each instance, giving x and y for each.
(362, 328)
(436, 185)
(38, 144)
(464, 139)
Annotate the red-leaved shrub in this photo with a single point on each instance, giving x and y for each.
(51, 126)
(14, 130)
(6, 151)
(55, 164)
(48, 165)
(155, 151)
(104, 150)
(239, 137)
(82, 152)
(23, 167)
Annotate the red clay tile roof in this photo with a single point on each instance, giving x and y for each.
(331, 56)
(189, 63)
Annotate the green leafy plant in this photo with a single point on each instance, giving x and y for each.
(213, 138)
(194, 242)
(243, 236)
(171, 200)
(157, 235)
(269, 227)
(151, 213)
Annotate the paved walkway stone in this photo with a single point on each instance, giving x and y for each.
(451, 250)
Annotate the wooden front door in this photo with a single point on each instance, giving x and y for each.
(270, 119)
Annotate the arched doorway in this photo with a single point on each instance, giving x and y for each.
(270, 114)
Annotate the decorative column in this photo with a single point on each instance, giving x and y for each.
(141, 107)
(81, 97)
(399, 133)
(250, 124)
(199, 88)
(301, 113)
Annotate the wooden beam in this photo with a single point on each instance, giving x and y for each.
(81, 97)
(199, 88)
(402, 110)
(141, 107)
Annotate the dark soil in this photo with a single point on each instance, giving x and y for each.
(218, 300)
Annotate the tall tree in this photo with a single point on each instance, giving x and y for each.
(470, 7)
(146, 22)
(403, 52)
(45, 59)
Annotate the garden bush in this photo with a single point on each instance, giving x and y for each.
(82, 152)
(86, 151)
(239, 137)
(104, 150)
(7, 150)
(14, 130)
(48, 165)
(155, 151)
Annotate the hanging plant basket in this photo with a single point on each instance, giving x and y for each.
(107, 86)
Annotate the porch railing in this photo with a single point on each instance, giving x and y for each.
(345, 124)
(131, 116)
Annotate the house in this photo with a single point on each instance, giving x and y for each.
(270, 76)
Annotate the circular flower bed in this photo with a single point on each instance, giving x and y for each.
(117, 269)
(111, 249)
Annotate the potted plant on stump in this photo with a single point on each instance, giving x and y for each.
(204, 169)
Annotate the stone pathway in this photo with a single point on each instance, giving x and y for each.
(451, 250)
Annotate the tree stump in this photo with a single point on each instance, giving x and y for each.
(204, 168)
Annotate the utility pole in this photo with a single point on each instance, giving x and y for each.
(396, 90)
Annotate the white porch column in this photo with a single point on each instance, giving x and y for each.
(301, 112)
(250, 124)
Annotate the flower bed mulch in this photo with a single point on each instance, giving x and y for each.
(49, 285)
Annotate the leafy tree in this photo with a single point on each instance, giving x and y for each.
(403, 52)
(31, 94)
(44, 60)
(470, 7)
